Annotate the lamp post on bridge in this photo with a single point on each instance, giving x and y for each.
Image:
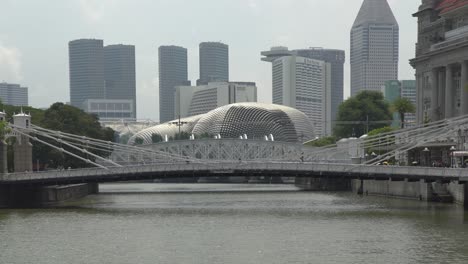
(179, 124)
(426, 156)
(452, 150)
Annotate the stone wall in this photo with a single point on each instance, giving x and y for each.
(323, 184)
(412, 190)
(18, 196)
(402, 189)
(458, 192)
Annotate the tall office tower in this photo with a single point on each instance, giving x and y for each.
(13, 94)
(374, 47)
(86, 58)
(172, 73)
(214, 62)
(304, 84)
(119, 73)
(336, 58)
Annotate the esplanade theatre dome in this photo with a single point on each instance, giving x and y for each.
(256, 120)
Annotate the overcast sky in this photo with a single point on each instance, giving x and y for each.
(34, 36)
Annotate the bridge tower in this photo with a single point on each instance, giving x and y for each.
(22, 148)
(3, 149)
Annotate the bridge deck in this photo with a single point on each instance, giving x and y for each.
(208, 169)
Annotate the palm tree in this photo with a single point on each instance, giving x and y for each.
(403, 106)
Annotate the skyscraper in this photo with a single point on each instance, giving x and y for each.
(214, 62)
(86, 58)
(334, 57)
(101, 75)
(374, 47)
(119, 73)
(172, 72)
(304, 84)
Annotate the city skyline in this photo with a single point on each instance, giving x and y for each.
(48, 82)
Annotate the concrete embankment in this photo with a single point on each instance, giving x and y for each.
(421, 190)
(20, 196)
(323, 184)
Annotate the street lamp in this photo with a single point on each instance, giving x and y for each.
(452, 150)
(426, 155)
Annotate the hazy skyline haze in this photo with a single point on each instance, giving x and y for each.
(34, 37)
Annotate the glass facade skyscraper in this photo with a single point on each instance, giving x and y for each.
(374, 47)
(214, 62)
(172, 72)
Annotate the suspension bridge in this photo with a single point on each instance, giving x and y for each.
(348, 159)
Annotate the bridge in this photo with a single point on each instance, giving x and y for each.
(348, 159)
(246, 168)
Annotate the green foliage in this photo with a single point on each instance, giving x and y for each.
(380, 145)
(63, 118)
(325, 141)
(204, 136)
(366, 105)
(139, 141)
(4, 129)
(381, 130)
(403, 106)
(182, 136)
(156, 138)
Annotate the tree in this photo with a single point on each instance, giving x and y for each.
(403, 106)
(156, 138)
(139, 141)
(182, 136)
(4, 129)
(357, 115)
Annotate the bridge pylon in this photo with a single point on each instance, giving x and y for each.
(3, 149)
(22, 148)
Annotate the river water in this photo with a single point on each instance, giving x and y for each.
(206, 223)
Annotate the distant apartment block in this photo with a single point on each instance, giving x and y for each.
(196, 100)
(13, 94)
(214, 62)
(374, 47)
(99, 72)
(173, 71)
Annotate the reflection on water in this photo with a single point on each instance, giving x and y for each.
(206, 223)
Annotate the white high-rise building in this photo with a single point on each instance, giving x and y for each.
(13, 94)
(304, 84)
(196, 100)
(374, 47)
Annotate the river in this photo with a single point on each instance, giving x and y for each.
(226, 223)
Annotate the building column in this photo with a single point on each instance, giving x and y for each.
(441, 96)
(434, 94)
(449, 94)
(419, 98)
(463, 88)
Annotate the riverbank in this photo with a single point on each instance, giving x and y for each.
(19, 196)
